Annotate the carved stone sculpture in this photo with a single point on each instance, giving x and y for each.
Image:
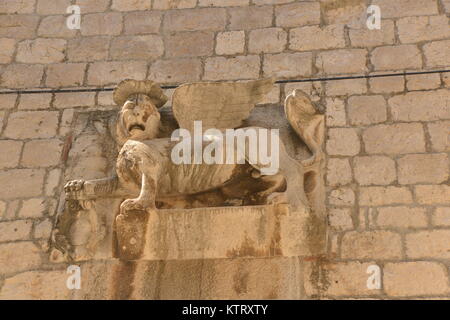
(147, 179)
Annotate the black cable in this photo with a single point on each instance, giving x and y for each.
(278, 81)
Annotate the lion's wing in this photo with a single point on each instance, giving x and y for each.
(217, 104)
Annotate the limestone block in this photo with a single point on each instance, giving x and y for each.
(316, 38)
(230, 42)
(267, 40)
(297, 14)
(212, 19)
(189, 44)
(10, 155)
(248, 18)
(37, 285)
(420, 278)
(32, 124)
(11, 261)
(142, 22)
(371, 245)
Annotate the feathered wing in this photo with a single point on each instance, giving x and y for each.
(307, 121)
(218, 105)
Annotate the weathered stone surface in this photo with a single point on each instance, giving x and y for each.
(32, 208)
(419, 278)
(88, 49)
(376, 170)
(342, 279)
(439, 135)
(241, 67)
(342, 61)
(405, 8)
(268, 40)
(423, 81)
(173, 4)
(398, 138)
(2, 210)
(15, 230)
(428, 244)
(423, 168)
(52, 6)
(386, 84)
(246, 18)
(41, 50)
(346, 87)
(432, 194)
(17, 6)
(11, 261)
(32, 124)
(230, 239)
(42, 153)
(74, 99)
(136, 47)
(88, 6)
(377, 245)
(378, 196)
(104, 73)
(22, 76)
(335, 112)
(10, 155)
(176, 70)
(230, 42)
(349, 12)
(108, 23)
(189, 44)
(316, 38)
(55, 27)
(219, 3)
(287, 65)
(415, 29)
(342, 197)
(142, 22)
(10, 178)
(8, 46)
(396, 57)
(366, 110)
(37, 285)
(437, 53)
(21, 26)
(131, 5)
(52, 182)
(402, 217)
(343, 142)
(297, 14)
(364, 37)
(441, 217)
(65, 74)
(212, 19)
(32, 101)
(340, 219)
(421, 106)
(339, 172)
(8, 101)
(43, 229)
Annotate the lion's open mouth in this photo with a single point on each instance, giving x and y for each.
(136, 126)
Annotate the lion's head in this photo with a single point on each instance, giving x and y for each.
(139, 117)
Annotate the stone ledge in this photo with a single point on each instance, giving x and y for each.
(214, 233)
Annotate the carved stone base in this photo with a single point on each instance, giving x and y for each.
(213, 233)
(232, 278)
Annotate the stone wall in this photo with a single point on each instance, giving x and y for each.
(388, 144)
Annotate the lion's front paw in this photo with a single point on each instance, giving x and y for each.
(73, 188)
(132, 204)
